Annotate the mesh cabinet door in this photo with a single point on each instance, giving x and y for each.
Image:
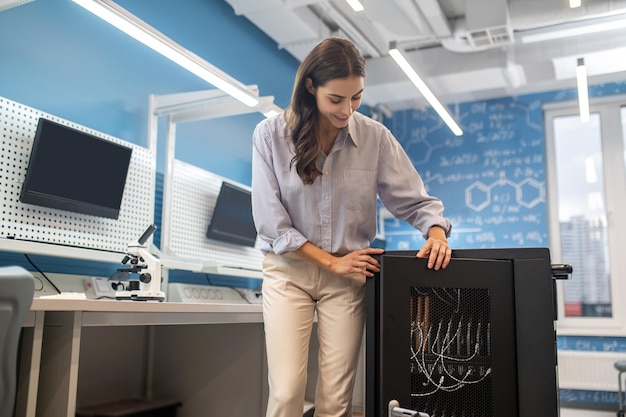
(447, 342)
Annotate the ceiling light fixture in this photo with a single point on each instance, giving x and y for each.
(7, 4)
(271, 113)
(575, 3)
(583, 93)
(356, 5)
(138, 29)
(351, 32)
(574, 31)
(423, 88)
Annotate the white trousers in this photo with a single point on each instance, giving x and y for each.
(293, 290)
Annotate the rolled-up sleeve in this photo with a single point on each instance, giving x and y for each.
(402, 190)
(271, 219)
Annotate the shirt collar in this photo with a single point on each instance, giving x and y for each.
(351, 132)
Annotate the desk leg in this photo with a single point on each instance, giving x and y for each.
(26, 403)
(58, 379)
(148, 364)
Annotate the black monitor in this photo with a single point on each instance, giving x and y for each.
(231, 220)
(75, 171)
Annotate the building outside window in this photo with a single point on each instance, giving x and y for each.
(587, 209)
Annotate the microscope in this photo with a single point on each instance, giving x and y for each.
(142, 262)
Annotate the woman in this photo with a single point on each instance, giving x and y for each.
(317, 170)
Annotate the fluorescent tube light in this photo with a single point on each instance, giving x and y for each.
(273, 111)
(574, 31)
(575, 3)
(356, 5)
(270, 113)
(138, 29)
(423, 88)
(583, 93)
(7, 4)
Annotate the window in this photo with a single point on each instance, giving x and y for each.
(587, 211)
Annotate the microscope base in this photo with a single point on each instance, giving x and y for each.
(140, 295)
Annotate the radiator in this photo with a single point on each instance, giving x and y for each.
(586, 370)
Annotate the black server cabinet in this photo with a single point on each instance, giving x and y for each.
(474, 340)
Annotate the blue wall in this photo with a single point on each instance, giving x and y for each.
(58, 58)
(492, 179)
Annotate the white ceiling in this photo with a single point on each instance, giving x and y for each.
(464, 49)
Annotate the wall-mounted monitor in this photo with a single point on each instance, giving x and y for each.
(231, 220)
(75, 171)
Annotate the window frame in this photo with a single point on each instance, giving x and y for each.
(609, 110)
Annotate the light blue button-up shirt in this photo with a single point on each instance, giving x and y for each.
(337, 213)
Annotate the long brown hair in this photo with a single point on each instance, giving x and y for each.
(333, 58)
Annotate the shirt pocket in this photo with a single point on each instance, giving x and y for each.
(360, 189)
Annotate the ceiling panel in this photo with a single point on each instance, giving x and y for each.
(457, 46)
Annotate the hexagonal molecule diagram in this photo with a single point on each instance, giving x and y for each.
(530, 193)
(477, 196)
(527, 193)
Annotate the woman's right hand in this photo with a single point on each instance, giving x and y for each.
(360, 262)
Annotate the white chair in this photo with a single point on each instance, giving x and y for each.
(16, 296)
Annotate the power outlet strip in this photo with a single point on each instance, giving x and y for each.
(103, 287)
(91, 286)
(252, 296)
(205, 294)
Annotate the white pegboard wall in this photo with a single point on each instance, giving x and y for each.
(18, 125)
(194, 193)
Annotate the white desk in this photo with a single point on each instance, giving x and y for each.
(89, 351)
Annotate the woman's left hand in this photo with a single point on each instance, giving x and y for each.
(436, 249)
